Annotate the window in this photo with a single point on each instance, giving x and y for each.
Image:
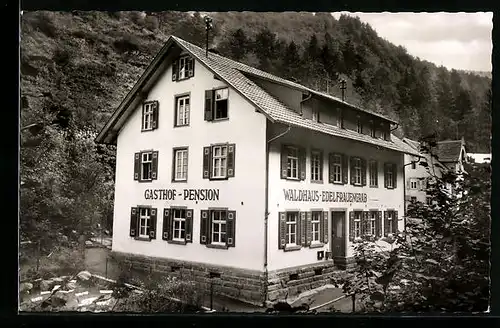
(373, 174)
(221, 98)
(292, 163)
(372, 129)
(390, 222)
(182, 68)
(359, 125)
(182, 111)
(413, 184)
(218, 227)
(340, 119)
(179, 220)
(371, 223)
(146, 165)
(147, 122)
(315, 221)
(180, 164)
(291, 228)
(218, 161)
(357, 223)
(144, 222)
(390, 175)
(315, 115)
(357, 170)
(316, 166)
(337, 168)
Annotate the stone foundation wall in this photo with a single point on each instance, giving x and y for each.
(344, 263)
(244, 285)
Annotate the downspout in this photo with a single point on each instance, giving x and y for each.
(266, 216)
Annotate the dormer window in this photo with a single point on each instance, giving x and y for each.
(183, 68)
(372, 129)
(340, 118)
(359, 125)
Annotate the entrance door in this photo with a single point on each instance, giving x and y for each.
(338, 234)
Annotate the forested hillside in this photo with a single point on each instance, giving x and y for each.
(76, 67)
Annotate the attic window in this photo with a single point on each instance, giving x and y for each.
(183, 68)
(359, 125)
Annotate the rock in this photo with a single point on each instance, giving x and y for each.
(25, 287)
(84, 275)
(88, 243)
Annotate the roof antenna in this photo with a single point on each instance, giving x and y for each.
(343, 87)
(208, 26)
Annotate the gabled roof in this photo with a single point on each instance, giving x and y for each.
(235, 75)
(449, 150)
(417, 146)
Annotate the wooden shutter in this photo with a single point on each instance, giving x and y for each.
(137, 166)
(167, 225)
(231, 228)
(321, 235)
(303, 225)
(376, 173)
(378, 224)
(330, 168)
(154, 166)
(191, 67)
(204, 223)
(284, 162)
(152, 224)
(133, 221)
(363, 172)
(282, 230)
(394, 176)
(345, 178)
(321, 166)
(175, 70)
(364, 223)
(206, 162)
(231, 152)
(324, 227)
(308, 228)
(351, 226)
(155, 106)
(386, 223)
(189, 226)
(302, 163)
(385, 175)
(209, 104)
(351, 169)
(395, 222)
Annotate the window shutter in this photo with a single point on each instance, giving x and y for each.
(345, 177)
(154, 166)
(363, 172)
(167, 225)
(142, 116)
(385, 175)
(321, 166)
(137, 165)
(231, 152)
(189, 226)
(394, 176)
(204, 222)
(152, 224)
(351, 226)
(303, 225)
(206, 162)
(395, 223)
(284, 162)
(302, 163)
(209, 104)
(133, 221)
(155, 114)
(351, 167)
(321, 228)
(282, 230)
(231, 228)
(378, 224)
(308, 228)
(330, 168)
(364, 223)
(191, 67)
(324, 227)
(175, 70)
(376, 173)
(386, 223)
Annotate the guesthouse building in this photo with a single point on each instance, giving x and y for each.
(227, 172)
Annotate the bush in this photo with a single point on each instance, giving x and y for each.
(127, 43)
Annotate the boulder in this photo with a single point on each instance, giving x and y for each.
(84, 275)
(25, 287)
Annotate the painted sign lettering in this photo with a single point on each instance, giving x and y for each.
(295, 195)
(185, 194)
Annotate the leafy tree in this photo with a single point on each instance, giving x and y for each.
(238, 44)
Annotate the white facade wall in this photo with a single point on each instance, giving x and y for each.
(380, 198)
(244, 193)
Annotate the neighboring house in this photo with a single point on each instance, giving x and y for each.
(223, 170)
(479, 158)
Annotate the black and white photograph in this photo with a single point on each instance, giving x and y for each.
(254, 162)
